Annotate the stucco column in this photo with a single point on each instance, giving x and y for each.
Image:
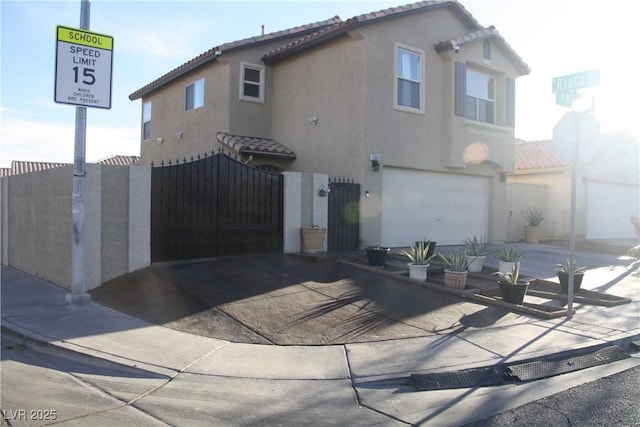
(292, 206)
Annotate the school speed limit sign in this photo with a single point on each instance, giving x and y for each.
(84, 63)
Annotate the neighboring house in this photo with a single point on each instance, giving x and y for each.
(19, 167)
(607, 187)
(415, 103)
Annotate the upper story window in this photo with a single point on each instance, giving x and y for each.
(409, 92)
(251, 82)
(486, 50)
(480, 101)
(146, 120)
(194, 95)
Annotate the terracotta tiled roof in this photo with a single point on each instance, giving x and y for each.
(341, 28)
(119, 160)
(482, 34)
(255, 146)
(213, 53)
(18, 167)
(536, 155)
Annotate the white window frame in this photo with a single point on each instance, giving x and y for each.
(259, 68)
(198, 95)
(420, 80)
(477, 98)
(146, 118)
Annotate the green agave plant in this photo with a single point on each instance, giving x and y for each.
(475, 246)
(534, 216)
(569, 265)
(508, 255)
(454, 261)
(510, 277)
(419, 253)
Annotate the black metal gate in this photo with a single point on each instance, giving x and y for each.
(343, 232)
(214, 206)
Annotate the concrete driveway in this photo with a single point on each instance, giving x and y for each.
(290, 299)
(300, 300)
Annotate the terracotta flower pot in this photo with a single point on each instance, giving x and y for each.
(313, 239)
(455, 279)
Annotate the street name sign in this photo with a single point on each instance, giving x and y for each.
(566, 87)
(84, 64)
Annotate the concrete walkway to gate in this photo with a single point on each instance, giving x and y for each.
(282, 340)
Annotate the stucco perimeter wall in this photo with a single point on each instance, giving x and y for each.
(37, 222)
(303, 207)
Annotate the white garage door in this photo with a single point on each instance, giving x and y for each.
(441, 207)
(609, 210)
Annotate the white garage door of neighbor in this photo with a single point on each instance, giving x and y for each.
(609, 210)
(441, 207)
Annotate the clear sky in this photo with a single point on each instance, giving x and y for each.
(554, 37)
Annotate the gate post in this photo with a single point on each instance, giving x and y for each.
(292, 211)
(303, 206)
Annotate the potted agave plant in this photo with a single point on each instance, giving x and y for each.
(512, 287)
(455, 272)
(508, 258)
(533, 228)
(419, 256)
(476, 250)
(431, 245)
(563, 271)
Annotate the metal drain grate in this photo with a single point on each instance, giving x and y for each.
(543, 369)
(479, 377)
(525, 371)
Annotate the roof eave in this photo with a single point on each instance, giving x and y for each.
(257, 153)
(215, 53)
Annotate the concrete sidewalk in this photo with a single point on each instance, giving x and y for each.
(205, 381)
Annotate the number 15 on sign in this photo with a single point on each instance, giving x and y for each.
(84, 62)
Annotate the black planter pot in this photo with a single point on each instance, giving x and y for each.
(377, 256)
(432, 247)
(564, 282)
(513, 293)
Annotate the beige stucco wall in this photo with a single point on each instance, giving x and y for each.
(198, 126)
(348, 85)
(38, 222)
(557, 205)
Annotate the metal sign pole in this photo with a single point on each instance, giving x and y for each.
(572, 237)
(78, 292)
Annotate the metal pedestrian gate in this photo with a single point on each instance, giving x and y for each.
(214, 206)
(343, 232)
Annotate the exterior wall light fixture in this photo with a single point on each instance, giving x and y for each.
(375, 162)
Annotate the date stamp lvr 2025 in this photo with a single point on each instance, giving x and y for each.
(30, 414)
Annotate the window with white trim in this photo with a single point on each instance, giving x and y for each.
(251, 82)
(409, 91)
(480, 101)
(194, 95)
(146, 120)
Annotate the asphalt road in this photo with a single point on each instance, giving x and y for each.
(608, 401)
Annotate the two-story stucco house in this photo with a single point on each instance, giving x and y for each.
(415, 103)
